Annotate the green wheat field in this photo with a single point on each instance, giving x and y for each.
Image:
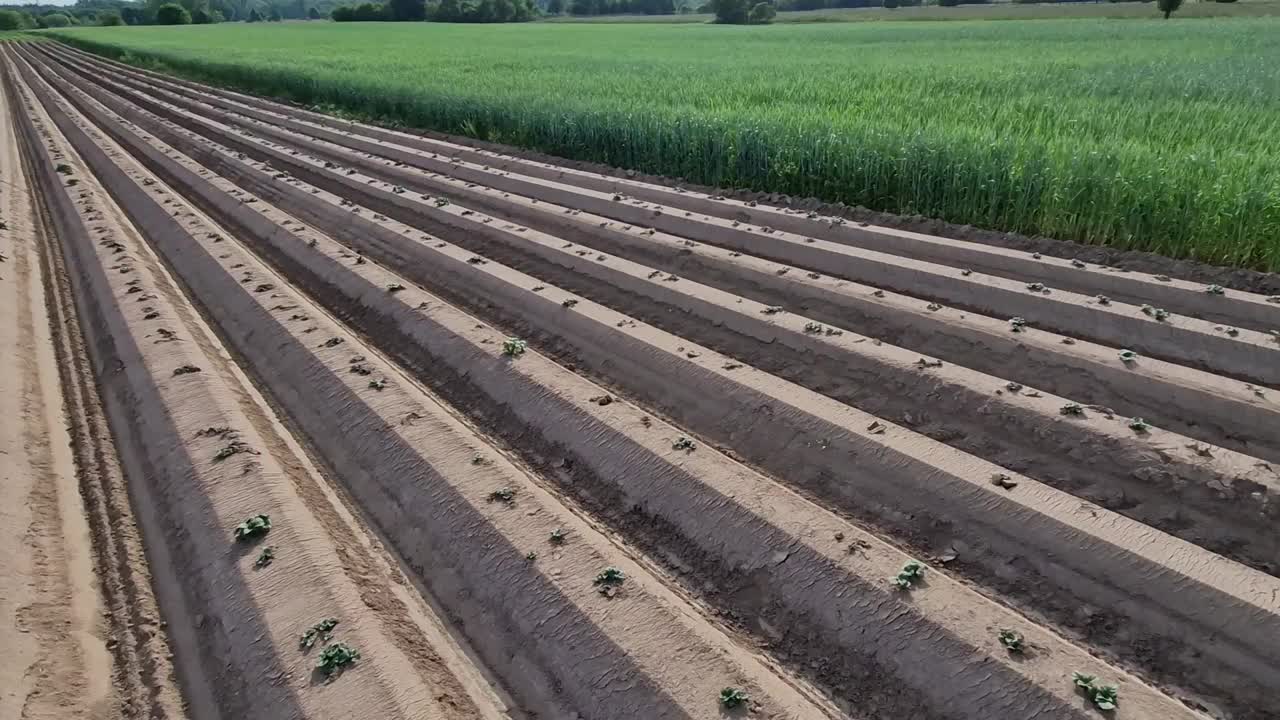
(1150, 135)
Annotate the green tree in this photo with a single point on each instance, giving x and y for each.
(313, 13)
(555, 7)
(172, 14)
(1168, 7)
(53, 20)
(110, 18)
(407, 10)
(274, 15)
(10, 20)
(730, 12)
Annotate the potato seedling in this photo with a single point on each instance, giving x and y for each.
(1215, 290)
(514, 347)
(1012, 640)
(503, 495)
(1016, 324)
(608, 581)
(911, 573)
(321, 631)
(265, 557)
(336, 658)
(1072, 410)
(1128, 356)
(731, 698)
(1105, 697)
(1139, 426)
(684, 443)
(558, 536)
(1160, 314)
(254, 527)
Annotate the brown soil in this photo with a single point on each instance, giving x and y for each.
(758, 415)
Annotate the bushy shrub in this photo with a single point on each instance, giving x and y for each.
(172, 14)
(53, 20)
(10, 20)
(762, 14)
(110, 18)
(730, 12)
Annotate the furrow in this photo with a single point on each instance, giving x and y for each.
(1203, 406)
(474, 527)
(1060, 545)
(201, 457)
(1248, 354)
(1231, 308)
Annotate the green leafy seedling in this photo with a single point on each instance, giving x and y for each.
(1160, 314)
(1012, 640)
(558, 536)
(813, 327)
(254, 527)
(1072, 410)
(731, 698)
(911, 573)
(1102, 299)
(321, 631)
(1104, 697)
(63, 169)
(394, 288)
(1016, 324)
(504, 495)
(531, 556)
(1139, 426)
(1036, 287)
(514, 347)
(1128, 356)
(684, 443)
(336, 658)
(265, 557)
(1215, 290)
(378, 385)
(609, 580)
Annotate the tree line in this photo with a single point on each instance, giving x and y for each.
(467, 11)
(160, 12)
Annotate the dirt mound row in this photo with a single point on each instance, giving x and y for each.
(1015, 702)
(817, 352)
(1201, 405)
(203, 457)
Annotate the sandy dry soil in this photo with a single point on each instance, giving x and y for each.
(550, 443)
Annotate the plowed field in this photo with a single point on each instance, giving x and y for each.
(552, 444)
